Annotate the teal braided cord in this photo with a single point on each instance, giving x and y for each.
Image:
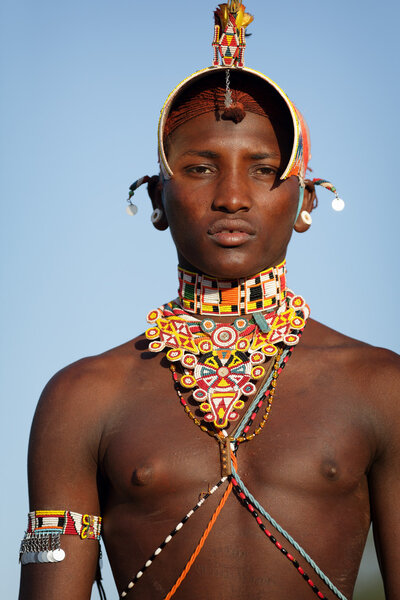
(289, 538)
(261, 392)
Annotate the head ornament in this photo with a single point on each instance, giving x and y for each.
(229, 43)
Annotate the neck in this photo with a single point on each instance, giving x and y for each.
(205, 295)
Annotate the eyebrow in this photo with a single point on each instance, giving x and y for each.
(212, 154)
(262, 155)
(202, 153)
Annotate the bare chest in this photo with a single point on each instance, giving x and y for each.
(315, 443)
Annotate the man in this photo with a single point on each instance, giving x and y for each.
(109, 437)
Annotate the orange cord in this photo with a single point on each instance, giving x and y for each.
(203, 537)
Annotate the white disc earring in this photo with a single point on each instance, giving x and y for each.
(306, 217)
(156, 215)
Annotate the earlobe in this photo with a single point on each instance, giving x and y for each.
(155, 191)
(304, 219)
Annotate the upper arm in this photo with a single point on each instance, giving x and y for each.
(384, 477)
(62, 475)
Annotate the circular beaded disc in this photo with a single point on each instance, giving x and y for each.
(270, 349)
(257, 372)
(248, 389)
(243, 344)
(224, 336)
(174, 354)
(200, 395)
(189, 361)
(291, 339)
(207, 325)
(257, 358)
(239, 404)
(297, 302)
(297, 323)
(156, 346)
(188, 381)
(152, 333)
(208, 417)
(153, 316)
(205, 346)
(205, 407)
(240, 324)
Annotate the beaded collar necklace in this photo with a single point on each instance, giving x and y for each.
(204, 295)
(221, 365)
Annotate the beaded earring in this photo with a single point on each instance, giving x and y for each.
(337, 203)
(132, 209)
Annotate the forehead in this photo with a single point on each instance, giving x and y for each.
(253, 135)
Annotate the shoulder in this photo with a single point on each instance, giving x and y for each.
(86, 391)
(360, 372)
(360, 356)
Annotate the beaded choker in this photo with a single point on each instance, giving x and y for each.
(204, 295)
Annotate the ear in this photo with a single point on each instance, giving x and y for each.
(309, 202)
(155, 191)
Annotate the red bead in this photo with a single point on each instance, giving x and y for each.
(258, 520)
(278, 545)
(300, 570)
(311, 583)
(290, 557)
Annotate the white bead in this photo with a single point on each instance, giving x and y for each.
(148, 563)
(179, 526)
(337, 204)
(131, 209)
(157, 552)
(168, 539)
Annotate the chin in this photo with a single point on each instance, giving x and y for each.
(231, 267)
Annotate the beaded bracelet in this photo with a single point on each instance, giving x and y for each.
(42, 540)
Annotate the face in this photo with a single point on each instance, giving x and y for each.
(230, 216)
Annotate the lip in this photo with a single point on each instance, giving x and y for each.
(231, 232)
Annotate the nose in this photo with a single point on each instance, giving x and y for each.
(232, 192)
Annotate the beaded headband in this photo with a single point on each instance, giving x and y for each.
(229, 45)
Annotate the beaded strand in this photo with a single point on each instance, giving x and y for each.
(169, 537)
(246, 502)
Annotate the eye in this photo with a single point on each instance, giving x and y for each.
(265, 170)
(200, 169)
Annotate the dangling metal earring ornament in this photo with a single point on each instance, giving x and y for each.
(156, 215)
(132, 209)
(337, 203)
(306, 217)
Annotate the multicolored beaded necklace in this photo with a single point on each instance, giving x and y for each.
(221, 364)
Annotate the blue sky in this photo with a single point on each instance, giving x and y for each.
(82, 84)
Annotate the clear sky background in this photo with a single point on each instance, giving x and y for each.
(82, 83)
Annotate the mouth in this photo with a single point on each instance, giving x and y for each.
(231, 232)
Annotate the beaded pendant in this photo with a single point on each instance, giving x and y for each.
(221, 362)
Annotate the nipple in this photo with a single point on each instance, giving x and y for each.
(142, 475)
